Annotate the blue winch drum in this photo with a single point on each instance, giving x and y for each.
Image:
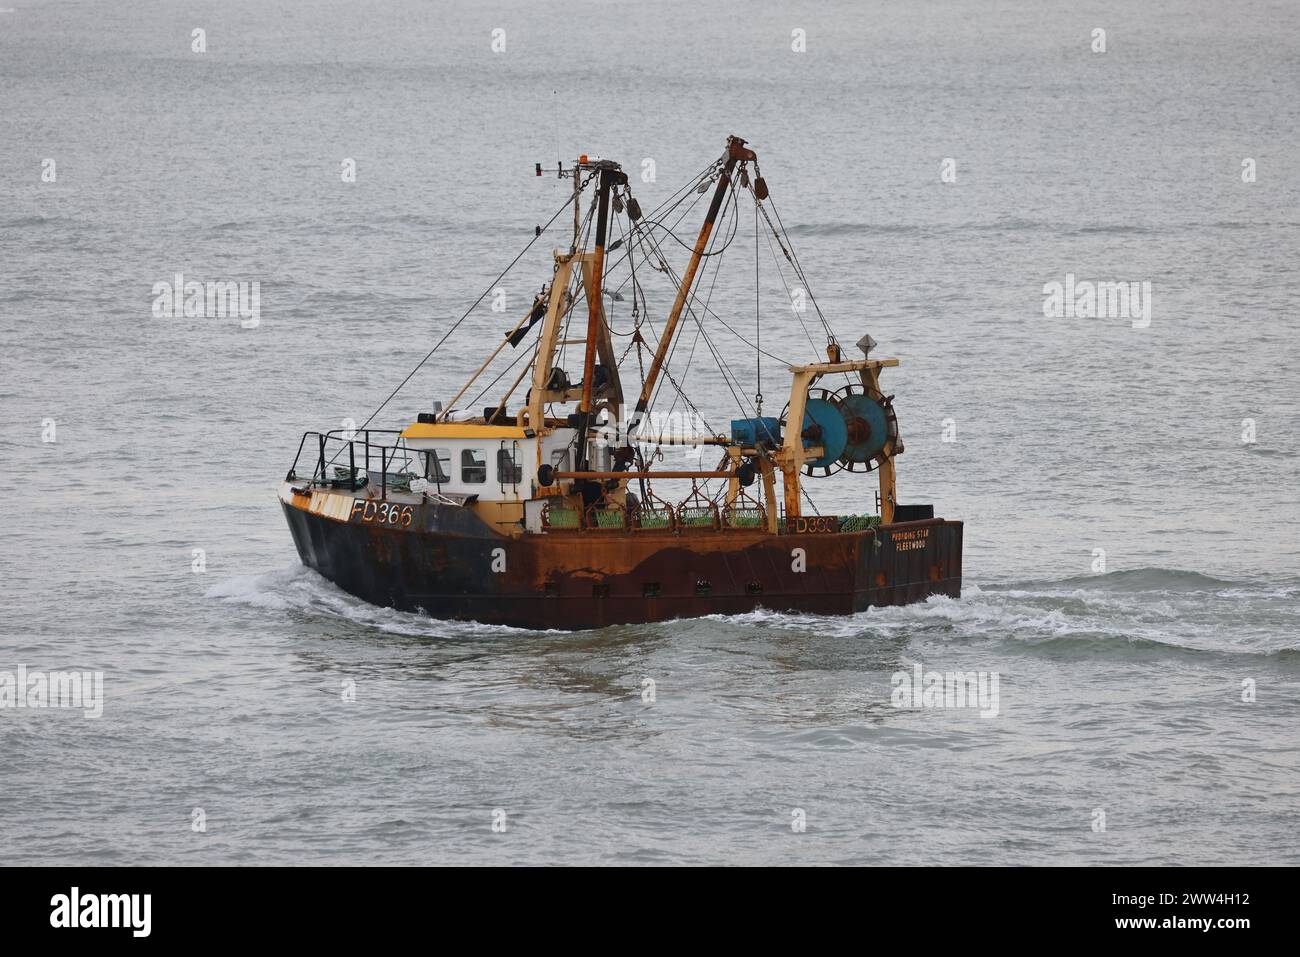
(834, 435)
(868, 428)
(764, 430)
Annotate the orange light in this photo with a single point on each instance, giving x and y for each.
(582, 158)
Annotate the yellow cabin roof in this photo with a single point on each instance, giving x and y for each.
(461, 430)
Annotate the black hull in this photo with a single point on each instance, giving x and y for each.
(449, 565)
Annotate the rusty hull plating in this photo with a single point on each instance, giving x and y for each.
(440, 565)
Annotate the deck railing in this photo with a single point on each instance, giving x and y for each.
(690, 515)
(559, 515)
(347, 459)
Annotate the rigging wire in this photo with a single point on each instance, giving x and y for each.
(531, 353)
(667, 206)
(758, 327)
(644, 236)
(788, 294)
(728, 376)
(708, 341)
(830, 335)
(665, 268)
(483, 295)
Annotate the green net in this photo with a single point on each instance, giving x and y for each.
(745, 517)
(562, 518)
(695, 517)
(654, 518)
(606, 518)
(858, 523)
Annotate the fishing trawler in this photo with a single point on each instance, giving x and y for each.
(556, 510)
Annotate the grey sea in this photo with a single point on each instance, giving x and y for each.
(1128, 482)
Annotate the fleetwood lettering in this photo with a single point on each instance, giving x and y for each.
(910, 540)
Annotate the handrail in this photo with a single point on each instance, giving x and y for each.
(660, 474)
(336, 439)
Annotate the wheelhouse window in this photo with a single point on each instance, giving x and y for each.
(473, 466)
(509, 471)
(437, 465)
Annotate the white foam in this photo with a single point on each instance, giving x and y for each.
(1017, 614)
(301, 589)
